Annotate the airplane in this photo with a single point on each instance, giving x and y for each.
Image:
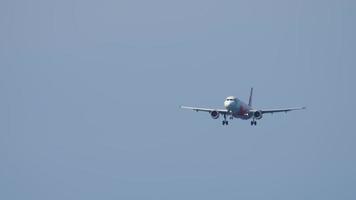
(235, 108)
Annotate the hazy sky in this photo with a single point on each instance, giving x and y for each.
(89, 96)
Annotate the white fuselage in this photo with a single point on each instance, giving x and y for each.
(238, 108)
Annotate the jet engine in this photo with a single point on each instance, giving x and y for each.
(257, 114)
(214, 114)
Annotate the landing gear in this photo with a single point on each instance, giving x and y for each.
(253, 122)
(225, 122)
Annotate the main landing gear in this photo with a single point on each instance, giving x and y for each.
(225, 122)
(253, 122)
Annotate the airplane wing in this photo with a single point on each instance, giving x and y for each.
(281, 110)
(221, 111)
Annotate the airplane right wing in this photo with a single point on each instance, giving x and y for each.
(281, 110)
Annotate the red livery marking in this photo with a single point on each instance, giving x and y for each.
(242, 111)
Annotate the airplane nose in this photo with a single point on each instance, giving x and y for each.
(227, 104)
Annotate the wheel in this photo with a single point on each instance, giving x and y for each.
(252, 123)
(227, 122)
(255, 123)
(223, 123)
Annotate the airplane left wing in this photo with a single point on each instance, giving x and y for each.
(220, 111)
(281, 110)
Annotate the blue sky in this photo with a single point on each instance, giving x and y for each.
(90, 92)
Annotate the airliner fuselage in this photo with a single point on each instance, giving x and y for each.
(237, 108)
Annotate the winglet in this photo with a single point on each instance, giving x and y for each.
(250, 99)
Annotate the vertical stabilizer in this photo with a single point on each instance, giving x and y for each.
(250, 99)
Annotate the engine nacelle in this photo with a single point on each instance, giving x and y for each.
(257, 114)
(214, 114)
